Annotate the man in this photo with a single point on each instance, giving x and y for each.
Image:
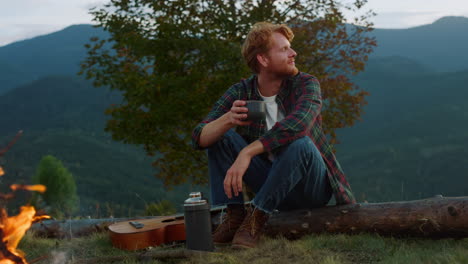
(284, 159)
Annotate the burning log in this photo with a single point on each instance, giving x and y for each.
(7, 256)
(13, 228)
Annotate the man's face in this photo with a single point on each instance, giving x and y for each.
(280, 58)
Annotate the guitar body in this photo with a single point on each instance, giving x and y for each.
(143, 233)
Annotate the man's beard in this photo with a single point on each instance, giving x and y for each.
(287, 71)
(294, 71)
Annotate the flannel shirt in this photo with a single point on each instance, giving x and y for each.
(300, 100)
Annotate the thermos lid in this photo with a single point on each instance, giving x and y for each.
(195, 199)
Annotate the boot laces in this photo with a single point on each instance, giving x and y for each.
(226, 217)
(251, 224)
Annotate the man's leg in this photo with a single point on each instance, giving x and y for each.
(297, 179)
(221, 156)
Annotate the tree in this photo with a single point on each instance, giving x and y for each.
(173, 59)
(61, 188)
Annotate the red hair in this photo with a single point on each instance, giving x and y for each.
(258, 41)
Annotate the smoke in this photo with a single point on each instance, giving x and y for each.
(58, 257)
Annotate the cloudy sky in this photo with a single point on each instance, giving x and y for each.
(21, 19)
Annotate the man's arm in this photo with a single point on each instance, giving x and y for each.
(214, 130)
(233, 179)
(221, 118)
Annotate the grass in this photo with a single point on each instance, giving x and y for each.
(325, 249)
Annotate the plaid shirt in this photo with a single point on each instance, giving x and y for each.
(300, 100)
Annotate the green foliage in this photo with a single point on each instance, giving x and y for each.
(172, 59)
(164, 207)
(61, 188)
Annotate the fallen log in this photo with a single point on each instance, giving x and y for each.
(436, 217)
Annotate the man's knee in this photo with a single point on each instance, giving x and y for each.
(304, 146)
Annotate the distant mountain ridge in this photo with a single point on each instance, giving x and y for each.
(441, 46)
(451, 21)
(58, 53)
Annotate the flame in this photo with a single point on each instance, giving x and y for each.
(13, 228)
(38, 187)
(1, 171)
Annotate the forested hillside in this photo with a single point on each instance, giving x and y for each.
(412, 140)
(64, 117)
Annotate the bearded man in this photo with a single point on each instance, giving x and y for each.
(285, 159)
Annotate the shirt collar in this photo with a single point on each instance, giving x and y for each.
(286, 86)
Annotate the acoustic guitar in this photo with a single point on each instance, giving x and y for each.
(143, 233)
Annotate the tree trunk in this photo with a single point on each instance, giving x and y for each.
(436, 217)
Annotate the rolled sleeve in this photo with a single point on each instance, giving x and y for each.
(196, 136)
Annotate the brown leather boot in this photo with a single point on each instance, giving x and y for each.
(231, 222)
(249, 232)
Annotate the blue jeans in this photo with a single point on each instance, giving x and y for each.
(295, 179)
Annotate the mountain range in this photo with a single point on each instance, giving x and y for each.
(410, 143)
(438, 45)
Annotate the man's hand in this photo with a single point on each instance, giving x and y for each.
(213, 131)
(238, 113)
(233, 179)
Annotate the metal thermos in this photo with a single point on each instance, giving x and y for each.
(198, 223)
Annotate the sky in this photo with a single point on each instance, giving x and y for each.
(23, 19)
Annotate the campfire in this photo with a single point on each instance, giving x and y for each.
(13, 228)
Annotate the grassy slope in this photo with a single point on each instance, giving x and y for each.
(325, 248)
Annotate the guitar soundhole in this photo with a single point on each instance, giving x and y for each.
(168, 220)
